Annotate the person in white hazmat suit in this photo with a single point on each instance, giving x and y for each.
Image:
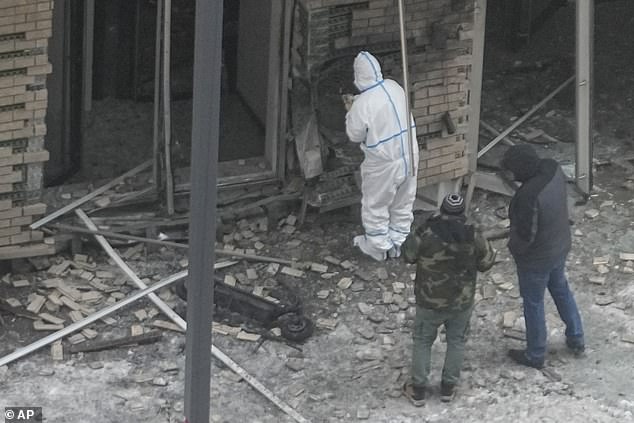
(377, 121)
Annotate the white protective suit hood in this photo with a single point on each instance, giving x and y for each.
(367, 71)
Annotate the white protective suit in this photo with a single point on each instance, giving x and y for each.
(377, 121)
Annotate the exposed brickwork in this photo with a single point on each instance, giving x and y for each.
(25, 27)
(439, 34)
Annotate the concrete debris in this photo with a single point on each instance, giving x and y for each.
(246, 336)
(136, 330)
(57, 351)
(381, 273)
(37, 302)
(357, 286)
(230, 280)
(225, 329)
(498, 278)
(603, 269)
(162, 324)
(387, 340)
(329, 324)
(347, 265)
(369, 354)
(252, 274)
(344, 283)
(292, 272)
(319, 268)
(508, 319)
(272, 268)
(364, 308)
(488, 291)
(626, 256)
(141, 314)
(604, 300)
(90, 333)
(49, 318)
(40, 325)
(591, 213)
(506, 286)
(628, 338)
(597, 280)
(159, 381)
(398, 287)
(366, 332)
(376, 317)
(295, 364)
(601, 260)
(332, 260)
(13, 302)
(363, 413)
(608, 203)
(78, 338)
(364, 275)
(388, 297)
(21, 283)
(323, 294)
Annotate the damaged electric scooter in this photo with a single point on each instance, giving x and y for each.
(287, 314)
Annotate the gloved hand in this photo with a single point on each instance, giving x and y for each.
(348, 99)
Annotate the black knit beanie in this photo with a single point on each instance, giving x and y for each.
(522, 160)
(452, 204)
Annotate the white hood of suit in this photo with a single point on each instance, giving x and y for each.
(367, 71)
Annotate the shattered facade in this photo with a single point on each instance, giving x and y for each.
(439, 34)
(25, 27)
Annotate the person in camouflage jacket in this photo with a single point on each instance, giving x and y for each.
(448, 254)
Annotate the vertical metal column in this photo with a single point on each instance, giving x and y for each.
(204, 164)
(585, 44)
(157, 96)
(410, 140)
(167, 106)
(475, 82)
(89, 33)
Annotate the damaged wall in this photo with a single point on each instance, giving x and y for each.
(25, 27)
(439, 34)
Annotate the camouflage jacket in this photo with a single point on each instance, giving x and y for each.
(448, 253)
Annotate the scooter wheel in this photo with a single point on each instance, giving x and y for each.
(296, 328)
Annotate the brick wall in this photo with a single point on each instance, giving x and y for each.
(25, 27)
(439, 36)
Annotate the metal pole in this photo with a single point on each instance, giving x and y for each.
(584, 83)
(524, 118)
(21, 352)
(126, 269)
(475, 82)
(167, 106)
(157, 95)
(116, 181)
(204, 164)
(410, 140)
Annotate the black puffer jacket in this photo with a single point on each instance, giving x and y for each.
(540, 231)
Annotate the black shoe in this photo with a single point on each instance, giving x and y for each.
(519, 356)
(415, 394)
(577, 349)
(447, 391)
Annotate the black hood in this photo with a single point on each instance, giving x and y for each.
(522, 160)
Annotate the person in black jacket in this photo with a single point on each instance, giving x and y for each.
(540, 241)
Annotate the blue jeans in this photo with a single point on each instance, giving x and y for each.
(533, 285)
